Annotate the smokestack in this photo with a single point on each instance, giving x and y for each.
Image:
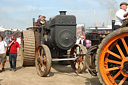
(113, 22)
(33, 21)
(62, 12)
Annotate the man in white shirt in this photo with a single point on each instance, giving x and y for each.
(120, 15)
(82, 41)
(3, 50)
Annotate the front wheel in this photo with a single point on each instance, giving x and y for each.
(78, 51)
(43, 60)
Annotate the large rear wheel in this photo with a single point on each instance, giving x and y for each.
(27, 48)
(112, 58)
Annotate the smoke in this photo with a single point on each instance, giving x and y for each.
(107, 5)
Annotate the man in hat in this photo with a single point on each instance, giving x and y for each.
(43, 20)
(120, 15)
(14, 48)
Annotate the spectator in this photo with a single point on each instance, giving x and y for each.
(7, 40)
(82, 41)
(14, 49)
(88, 44)
(19, 40)
(3, 50)
(78, 40)
(85, 42)
(83, 30)
(120, 15)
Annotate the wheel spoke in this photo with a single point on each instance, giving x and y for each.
(44, 67)
(112, 61)
(114, 68)
(40, 67)
(80, 51)
(125, 45)
(82, 63)
(122, 81)
(120, 51)
(79, 66)
(116, 75)
(42, 53)
(114, 54)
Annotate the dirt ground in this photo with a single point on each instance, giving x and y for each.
(59, 75)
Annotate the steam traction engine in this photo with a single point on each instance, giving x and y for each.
(50, 42)
(109, 59)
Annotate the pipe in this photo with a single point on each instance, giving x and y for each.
(62, 12)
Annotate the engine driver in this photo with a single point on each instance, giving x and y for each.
(120, 18)
(41, 20)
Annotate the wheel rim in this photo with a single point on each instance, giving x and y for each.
(111, 64)
(79, 64)
(43, 61)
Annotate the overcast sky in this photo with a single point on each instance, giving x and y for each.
(18, 14)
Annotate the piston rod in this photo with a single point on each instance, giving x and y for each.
(67, 59)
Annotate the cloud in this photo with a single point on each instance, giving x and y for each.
(23, 8)
(10, 1)
(20, 17)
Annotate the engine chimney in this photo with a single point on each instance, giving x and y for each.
(62, 12)
(113, 22)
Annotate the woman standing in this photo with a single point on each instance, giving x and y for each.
(3, 50)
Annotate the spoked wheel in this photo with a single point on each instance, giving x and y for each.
(43, 60)
(90, 60)
(79, 64)
(112, 58)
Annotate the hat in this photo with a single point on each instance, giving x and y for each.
(43, 16)
(13, 38)
(123, 3)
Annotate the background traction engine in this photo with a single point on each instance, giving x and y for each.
(111, 58)
(50, 42)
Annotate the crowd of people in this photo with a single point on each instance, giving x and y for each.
(8, 47)
(85, 42)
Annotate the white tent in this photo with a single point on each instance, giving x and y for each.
(2, 29)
